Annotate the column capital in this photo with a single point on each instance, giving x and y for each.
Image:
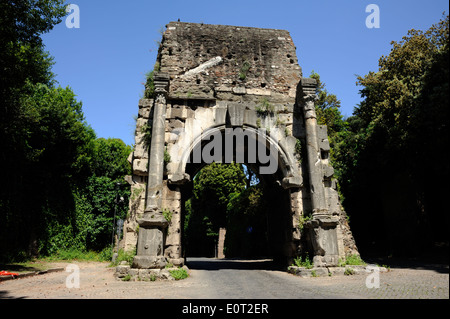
(161, 81)
(308, 86)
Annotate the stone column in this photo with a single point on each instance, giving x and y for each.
(312, 150)
(322, 227)
(152, 224)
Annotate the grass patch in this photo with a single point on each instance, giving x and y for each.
(66, 255)
(300, 262)
(25, 267)
(80, 255)
(126, 256)
(179, 273)
(354, 260)
(348, 271)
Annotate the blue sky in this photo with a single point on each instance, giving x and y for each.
(105, 60)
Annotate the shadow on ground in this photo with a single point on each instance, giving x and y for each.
(19, 268)
(200, 263)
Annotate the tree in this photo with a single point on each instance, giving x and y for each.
(110, 158)
(391, 146)
(24, 64)
(208, 206)
(213, 186)
(247, 224)
(59, 183)
(23, 60)
(48, 159)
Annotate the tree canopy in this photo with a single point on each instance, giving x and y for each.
(59, 182)
(387, 154)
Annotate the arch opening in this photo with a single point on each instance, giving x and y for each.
(253, 221)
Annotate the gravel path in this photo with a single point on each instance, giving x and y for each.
(222, 279)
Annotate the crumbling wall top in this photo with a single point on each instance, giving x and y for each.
(204, 61)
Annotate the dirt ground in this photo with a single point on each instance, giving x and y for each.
(97, 281)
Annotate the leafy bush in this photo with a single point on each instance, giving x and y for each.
(299, 262)
(124, 256)
(179, 273)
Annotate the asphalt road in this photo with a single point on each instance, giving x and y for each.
(232, 280)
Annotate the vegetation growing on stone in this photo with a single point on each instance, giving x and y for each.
(265, 108)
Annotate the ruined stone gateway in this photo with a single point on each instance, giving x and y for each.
(215, 78)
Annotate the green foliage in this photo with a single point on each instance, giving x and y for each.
(126, 256)
(354, 260)
(303, 219)
(244, 70)
(51, 155)
(167, 214)
(299, 150)
(22, 56)
(72, 254)
(327, 108)
(247, 223)
(179, 273)
(127, 278)
(150, 85)
(206, 211)
(303, 262)
(385, 153)
(147, 130)
(110, 158)
(167, 158)
(265, 108)
(349, 271)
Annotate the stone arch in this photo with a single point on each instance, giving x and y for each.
(287, 165)
(281, 243)
(255, 88)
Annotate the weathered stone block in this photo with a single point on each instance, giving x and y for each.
(171, 193)
(307, 273)
(141, 150)
(220, 116)
(239, 90)
(236, 114)
(140, 167)
(178, 113)
(149, 262)
(261, 92)
(122, 271)
(174, 124)
(133, 272)
(149, 274)
(165, 275)
(144, 112)
(336, 271)
(178, 262)
(145, 103)
(250, 117)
